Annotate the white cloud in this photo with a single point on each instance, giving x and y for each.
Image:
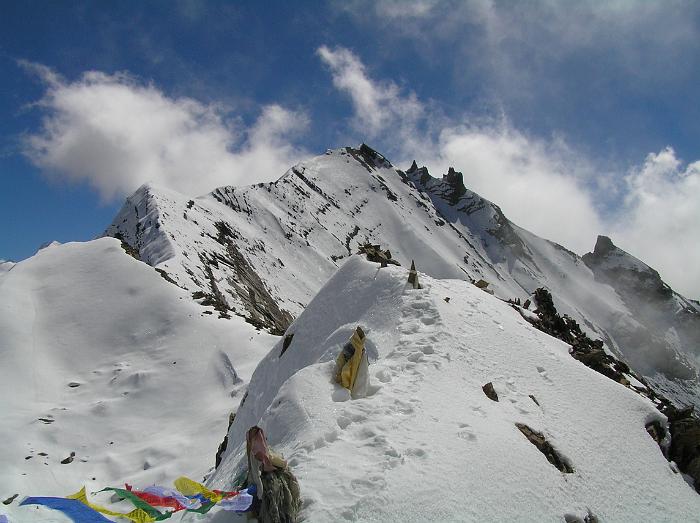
(538, 184)
(542, 185)
(116, 133)
(525, 54)
(377, 105)
(660, 220)
(525, 177)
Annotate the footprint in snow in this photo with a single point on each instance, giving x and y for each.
(543, 373)
(383, 375)
(466, 433)
(428, 320)
(479, 411)
(411, 328)
(419, 453)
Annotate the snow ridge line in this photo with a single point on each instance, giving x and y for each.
(362, 424)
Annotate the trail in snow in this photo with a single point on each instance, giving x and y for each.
(427, 444)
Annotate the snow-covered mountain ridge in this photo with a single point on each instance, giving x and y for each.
(103, 356)
(263, 251)
(427, 443)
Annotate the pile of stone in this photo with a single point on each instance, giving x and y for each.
(377, 255)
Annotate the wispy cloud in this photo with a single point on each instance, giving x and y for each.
(545, 186)
(116, 132)
(377, 105)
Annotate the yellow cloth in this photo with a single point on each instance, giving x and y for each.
(137, 516)
(190, 488)
(348, 369)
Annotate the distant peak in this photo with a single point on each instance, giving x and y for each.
(603, 246)
(413, 167)
(367, 157)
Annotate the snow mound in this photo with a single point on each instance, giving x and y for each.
(102, 357)
(427, 444)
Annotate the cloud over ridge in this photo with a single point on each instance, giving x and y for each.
(542, 185)
(114, 133)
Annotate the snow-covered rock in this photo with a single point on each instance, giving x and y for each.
(427, 443)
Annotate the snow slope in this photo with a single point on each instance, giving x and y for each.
(102, 357)
(427, 444)
(262, 252)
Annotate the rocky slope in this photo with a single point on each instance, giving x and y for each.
(263, 251)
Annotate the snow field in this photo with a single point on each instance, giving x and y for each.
(102, 357)
(427, 444)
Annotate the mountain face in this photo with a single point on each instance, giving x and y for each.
(667, 319)
(262, 252)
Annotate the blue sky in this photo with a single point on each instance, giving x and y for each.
(577, 118)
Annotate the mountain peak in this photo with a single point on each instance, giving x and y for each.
(455, 180)
(608, 256)
(603, 246)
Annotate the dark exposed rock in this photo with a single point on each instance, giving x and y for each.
(166, 276)
(128, 248)
(368, 157)
(389, 193)
(377, 255)
(10, 499)
(214, 298)
(350, 236)
(286, 343)
(490, 391)
(69, 459)
(222, 446)
(539, 441)
(224, 233)
(482, 284)
(220, 452)
(456, 182)
(533, 398)
(588, 518)
(311, 185)
(685, 446)
(262, 309)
